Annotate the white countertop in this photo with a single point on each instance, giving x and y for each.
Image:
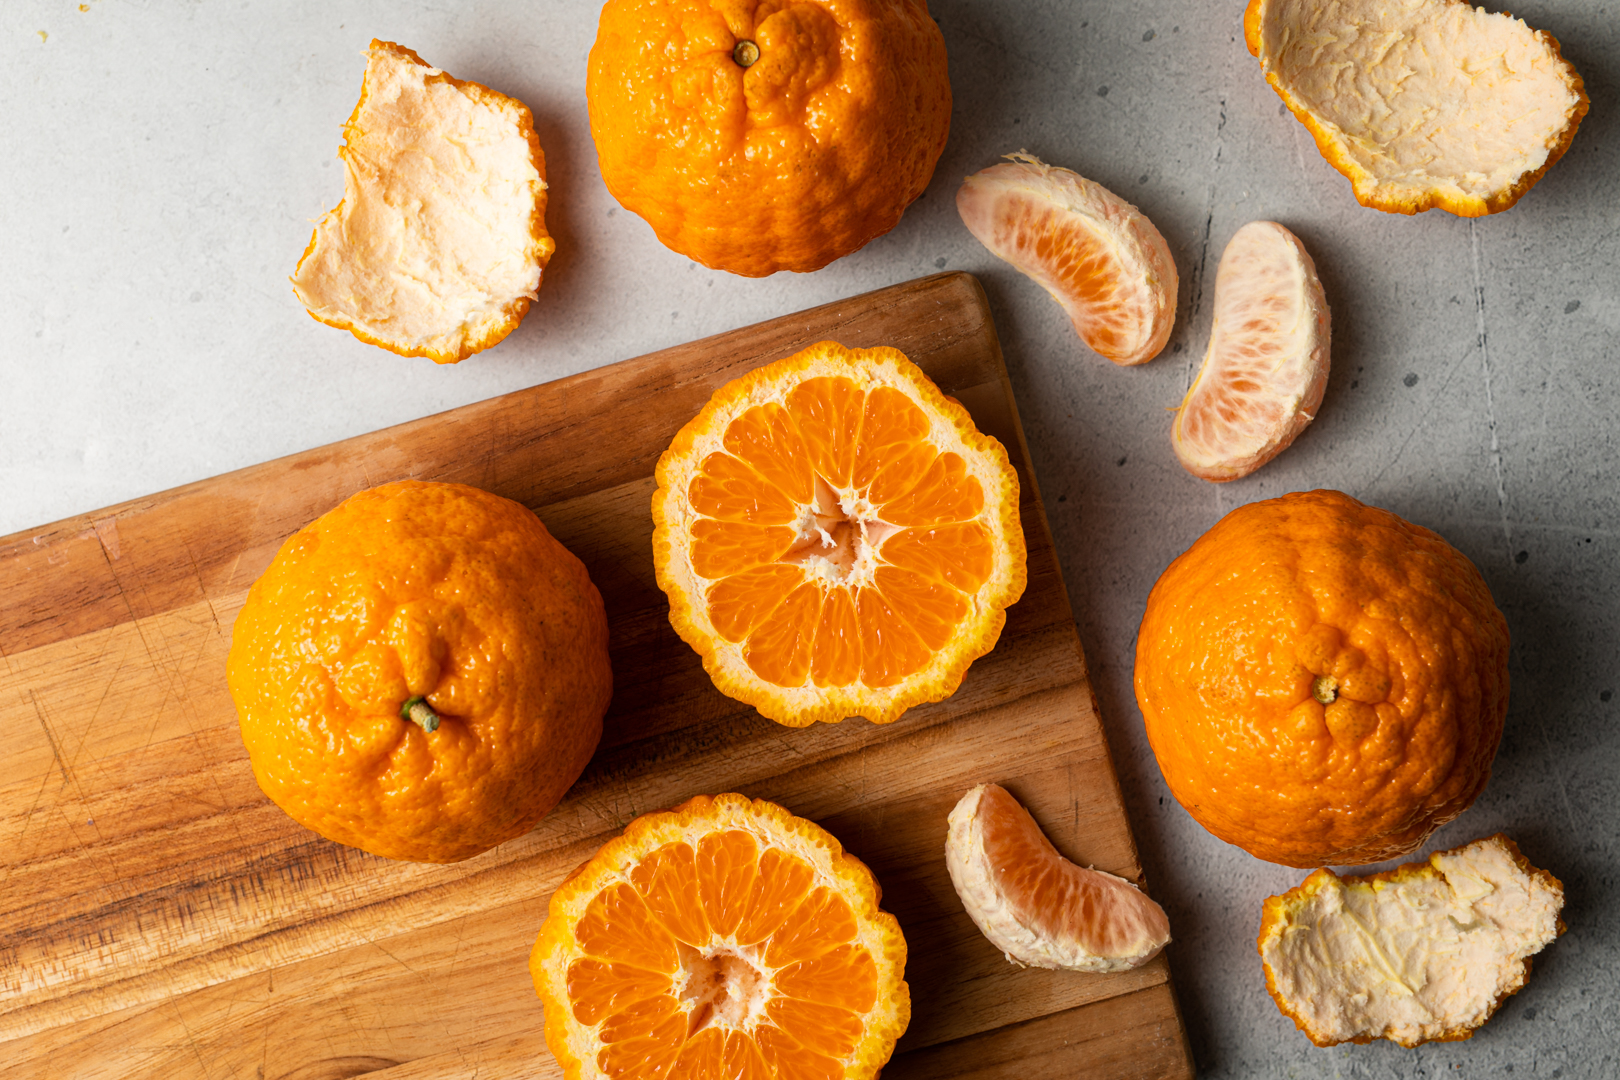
(164, 163)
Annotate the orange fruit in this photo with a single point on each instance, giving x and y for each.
(1267, 364)
(421, 672)
(439, 243)
(1037, 907)
(1322, 682)
(758, 136)
(1096, 254)
(1423, 953)
(1421, 104)
(724, 938)
(836, 538)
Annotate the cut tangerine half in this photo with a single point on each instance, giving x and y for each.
(836, 537)
(726, 938)
(1100, 257)
(1037, 907)
(1267, 365)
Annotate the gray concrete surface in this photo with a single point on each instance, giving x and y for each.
(163, 161)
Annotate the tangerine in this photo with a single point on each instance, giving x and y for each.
(421, 672)
(763, 135)
(1322, 682)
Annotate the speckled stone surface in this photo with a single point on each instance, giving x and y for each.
(164, 163)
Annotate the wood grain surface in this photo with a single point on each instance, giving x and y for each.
(159, 917)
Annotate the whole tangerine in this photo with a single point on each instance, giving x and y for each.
(1322, 682)
(761, 135)
(421, 672)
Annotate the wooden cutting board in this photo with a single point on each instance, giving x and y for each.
(159, 917)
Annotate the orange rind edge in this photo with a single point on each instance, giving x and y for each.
(1429, 200)
(545, 245)
(1274, 912)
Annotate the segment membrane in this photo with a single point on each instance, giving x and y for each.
(892, 426)
(766, 438)
(946, 493)
(617, 926)
(643, 1019)
(837, 660)
(728, 864)
(933, 609)
(598, 989)
(791, 1061)
(890, 649)
(782, 885)
(961, 554)
(846, 976)
(723, 548)
(727, 489)
(822, 922)
(828, 414)
(667, 880)
(825, 1027)
(738, 604)
(648, 1057)
(780, 650)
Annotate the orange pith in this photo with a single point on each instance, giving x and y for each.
(724, 938)
(836, 538)
(1322, 682)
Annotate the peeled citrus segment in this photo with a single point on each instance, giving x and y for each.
(438, 245)
(836, 538)
(1100, 258)
(1422, 953)
(1421, 103)
(1267, 364)
(724, 938)
(1037, 907)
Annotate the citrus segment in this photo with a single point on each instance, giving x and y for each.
(1096, 254)
(1267, 364)
(836, 538)
(1322, 682)
(1422, 103)
(1037, 907)
(727, 939)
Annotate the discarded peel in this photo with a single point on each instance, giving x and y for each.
(1424, 953)
(1037, 907)
(1421, 103)
(1096, 254)
(439, 244)
(1267, 364)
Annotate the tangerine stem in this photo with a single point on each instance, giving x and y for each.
(1325, 688)
(745, 53)
(420, 713)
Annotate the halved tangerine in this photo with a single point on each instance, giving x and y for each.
(1038, 908)
(836, 537)
(1098, 256)
(726, 938)
(1267, 365)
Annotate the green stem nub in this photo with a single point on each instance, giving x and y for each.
(1325, 688)
(420, 713)
(745, 53)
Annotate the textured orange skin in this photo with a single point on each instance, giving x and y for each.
(1462, 207)
(699, 816)
(1313, 584)
(425, 589)
(545, 245)
(797, 160)
(1276, 911)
